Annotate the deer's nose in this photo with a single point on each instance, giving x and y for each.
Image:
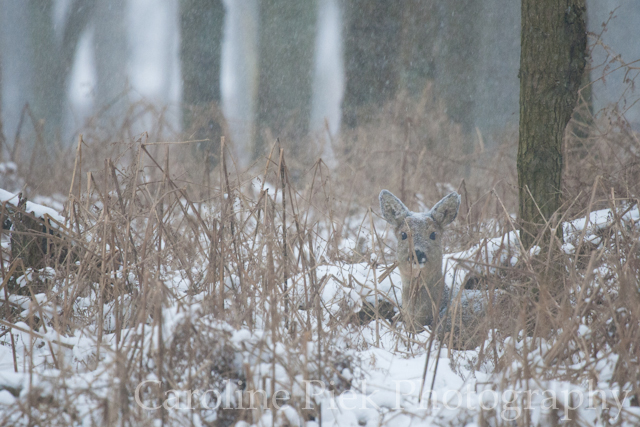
(420, 256)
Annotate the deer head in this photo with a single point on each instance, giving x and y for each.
(419, 254)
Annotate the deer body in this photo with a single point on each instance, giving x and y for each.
(419, 255)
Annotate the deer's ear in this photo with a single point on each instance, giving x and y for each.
(393, 210)
(446, 210)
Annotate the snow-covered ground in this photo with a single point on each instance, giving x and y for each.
(357, 375)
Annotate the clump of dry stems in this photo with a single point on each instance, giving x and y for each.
(150, 230)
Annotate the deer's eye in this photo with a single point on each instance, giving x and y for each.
(433, 236)
(403, 235)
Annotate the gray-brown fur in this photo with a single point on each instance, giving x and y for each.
(419, 255)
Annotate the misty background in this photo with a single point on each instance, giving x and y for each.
(260, 70)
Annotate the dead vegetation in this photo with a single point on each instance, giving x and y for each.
(162, 258)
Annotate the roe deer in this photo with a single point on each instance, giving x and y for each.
(419, 255)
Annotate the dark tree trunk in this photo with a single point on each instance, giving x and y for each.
(418, 45)
(582, 122)
(51, 61)
(287, 46)
(456, 74)
(201, 25)
(372, 57)
(371, 50)
(552, 62)
(397, 48)
(16, 64)
(48, 84)
(110, 47)
(2, 138)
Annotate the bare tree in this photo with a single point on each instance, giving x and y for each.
(420, 25)
(110, 47)
(552, 63)
(52, 59)
(201, 24)
(456, 75)
(286, 48)
(372, 57)
(2, 138)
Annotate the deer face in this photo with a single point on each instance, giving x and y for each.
(419, 234)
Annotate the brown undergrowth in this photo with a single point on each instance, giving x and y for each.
(156, 239)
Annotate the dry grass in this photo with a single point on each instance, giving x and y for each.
(164, 255)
